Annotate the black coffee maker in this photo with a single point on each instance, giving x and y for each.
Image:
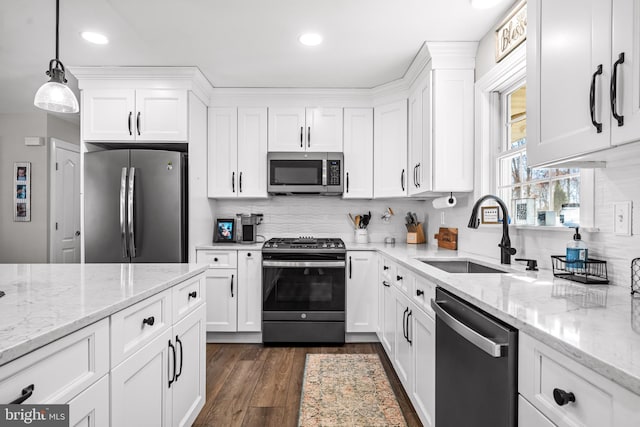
(247, 226)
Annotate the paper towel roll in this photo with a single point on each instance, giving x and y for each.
(444, 202)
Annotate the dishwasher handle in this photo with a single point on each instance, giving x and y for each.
(490, 347)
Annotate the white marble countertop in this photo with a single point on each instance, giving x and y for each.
(597, 325)
(44, 302)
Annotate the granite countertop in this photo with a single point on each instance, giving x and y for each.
(44, 302)
(597, 325)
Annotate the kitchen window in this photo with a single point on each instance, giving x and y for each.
(550, 188)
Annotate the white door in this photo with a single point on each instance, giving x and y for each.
(287, 129)
(324, 129)
(91, 407)
(568, 60)
(415, 141)
(403, 361)
(358, 153)
(626, 40)
(108, 115)
(188, 389)
(423, 333)
(249, 291)
(161, 115)
(66, 204)
(140, 386)
(390, 150)
(222, 156)
(252, 152)
(362, 292)
(222, 293)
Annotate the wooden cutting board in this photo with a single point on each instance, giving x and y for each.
(447, 238)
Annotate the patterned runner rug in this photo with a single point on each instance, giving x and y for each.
(347, 390)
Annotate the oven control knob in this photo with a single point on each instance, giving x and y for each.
(275, 245)
(324, 245)
(303, 315)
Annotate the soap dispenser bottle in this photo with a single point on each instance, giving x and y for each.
(577, 253)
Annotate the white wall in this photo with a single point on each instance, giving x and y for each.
(27, 242)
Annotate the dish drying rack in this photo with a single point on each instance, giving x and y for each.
(589, 272)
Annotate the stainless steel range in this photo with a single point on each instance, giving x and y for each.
(303, 295)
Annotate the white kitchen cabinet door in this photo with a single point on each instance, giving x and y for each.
(403, 360)
(249, 291)
(423, 393)
(415, 142)
(108, 115)
(451, 131)
(362, 291)
(529, 416)
(324, 129)
(358, 153)
(626, 40)
(390, 150)
(188, 388)
(222, 156)
(222, 294)
(91, 407)
(388, 325)
(252, 152)
(161, 115)
(140, 386)
(287, 129)
(568, 61)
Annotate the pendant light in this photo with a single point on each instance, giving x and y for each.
(55, 95)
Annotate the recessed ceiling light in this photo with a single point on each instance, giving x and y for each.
(95, 38)
(310, 39)
(485, 4)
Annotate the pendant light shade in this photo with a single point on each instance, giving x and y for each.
(55, 95)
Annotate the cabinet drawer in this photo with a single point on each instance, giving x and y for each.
(595, 401)
(135, 326)
(60, 370)
(91, 407)
(186, 297)
(404, 280)
(528, 416)
(218, 259)
(422, 294)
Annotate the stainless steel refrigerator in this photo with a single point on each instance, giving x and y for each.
(135, 206)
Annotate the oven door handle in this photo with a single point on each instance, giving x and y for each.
(294, 264)
(488, 346)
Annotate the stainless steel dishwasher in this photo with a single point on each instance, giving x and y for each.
(476, 366)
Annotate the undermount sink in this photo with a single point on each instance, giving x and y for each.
(461, 266)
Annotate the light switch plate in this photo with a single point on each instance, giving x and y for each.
(622, 218)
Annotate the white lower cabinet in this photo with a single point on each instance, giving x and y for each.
(403, 360)
(362, 292)
(528, 416)
(91, 407)
(423, 391)
(249, 291)
(388, 320)
(222, 293)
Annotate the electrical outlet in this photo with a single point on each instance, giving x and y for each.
(622, 218)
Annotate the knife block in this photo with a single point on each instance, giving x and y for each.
(415, 235)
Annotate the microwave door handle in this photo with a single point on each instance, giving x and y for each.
(324, 172)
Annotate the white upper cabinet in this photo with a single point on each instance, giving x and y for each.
(134, 115)
(390, 150)
(416, 146)
(575, 106)
(237, 155)
(358, 153)
(305, 129)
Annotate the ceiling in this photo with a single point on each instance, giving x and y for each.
(236, 43)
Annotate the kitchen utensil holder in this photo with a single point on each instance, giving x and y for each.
(590, 272)
(415, 235)
(635, 277)
(361, 235)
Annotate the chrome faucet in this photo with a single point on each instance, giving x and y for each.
(505, 244)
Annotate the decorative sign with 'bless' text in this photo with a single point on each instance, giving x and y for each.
(511, 32)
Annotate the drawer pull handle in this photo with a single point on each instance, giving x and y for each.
(215, 260)
(192, 294)
(398, 277)
(385, 267)
(419, 292)
(172, 378)
(384, 282)
(181, 358)
(26, 393)
(562, 397)
(148, 321)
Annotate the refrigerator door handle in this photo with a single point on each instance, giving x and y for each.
(131, 214)
(123, 213)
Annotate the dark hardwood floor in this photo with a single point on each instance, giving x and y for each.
(254, 385)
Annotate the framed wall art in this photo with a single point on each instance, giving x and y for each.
(512, 31)
(21, 191)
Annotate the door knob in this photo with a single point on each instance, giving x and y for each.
(77, 233)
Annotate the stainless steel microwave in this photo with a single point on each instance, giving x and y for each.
(305, 173)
